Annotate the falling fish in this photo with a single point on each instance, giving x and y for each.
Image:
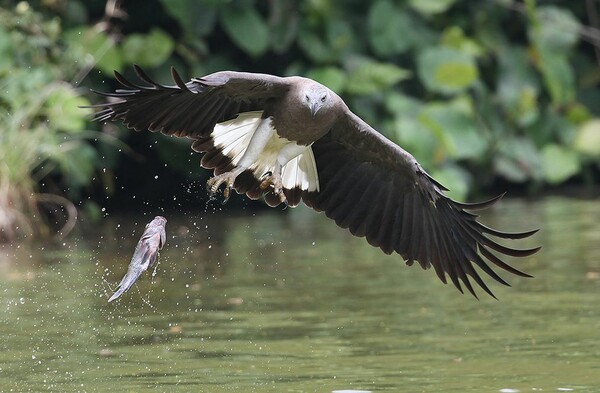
(145, 254)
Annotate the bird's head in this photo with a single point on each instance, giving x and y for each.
(316, 97)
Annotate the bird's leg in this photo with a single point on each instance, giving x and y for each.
(228, 178)
(273, 180)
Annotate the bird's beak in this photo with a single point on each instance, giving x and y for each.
(314, 108)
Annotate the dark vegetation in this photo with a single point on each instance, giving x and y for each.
(488, 95)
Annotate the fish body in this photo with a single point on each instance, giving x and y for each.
(145, 254)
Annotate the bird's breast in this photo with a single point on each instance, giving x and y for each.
(299, 127)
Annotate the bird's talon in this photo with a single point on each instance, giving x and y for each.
(266, 174)
(265, 180)
(270, 180)
(226, 194)
(214, 184)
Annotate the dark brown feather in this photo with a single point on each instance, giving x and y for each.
(188, 109)
(293, 196)
(377, 190)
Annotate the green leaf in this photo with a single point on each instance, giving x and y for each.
(454, 37)
(417, 139)
(455, 130)
(518, 86)
(390, 30)
(402, 105)
(75, 13)
(95, 44)
(64, 112)
(6, 52)
(246, 28)
(196, 17)
(559, 77)
(370, 77)
(332, 77)
(160, 45)
(431, 7)
(314, 47)
(455, 178)
(548, 126)
(446, 70)
(409, 132)
(77, 163)
(558, 28)
(148, 50)
(283, 24)
(518, 160)
(553, 32)
(559, 163)
(578, 113)
(587, 140)
(340, 36)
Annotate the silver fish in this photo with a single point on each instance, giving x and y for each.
(145, 254)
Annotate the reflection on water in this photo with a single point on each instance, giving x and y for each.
(289, 302)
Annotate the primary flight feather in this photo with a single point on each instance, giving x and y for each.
(291, 139)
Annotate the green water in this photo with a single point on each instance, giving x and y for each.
(290, 303)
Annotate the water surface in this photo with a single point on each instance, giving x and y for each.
(290, 303)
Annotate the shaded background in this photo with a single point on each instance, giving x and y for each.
(489, 96)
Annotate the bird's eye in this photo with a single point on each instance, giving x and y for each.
(306, 96)
(323, 98)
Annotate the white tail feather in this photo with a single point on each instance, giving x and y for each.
(301, 172)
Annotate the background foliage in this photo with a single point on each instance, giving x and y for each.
(486, 94)
(42, 138)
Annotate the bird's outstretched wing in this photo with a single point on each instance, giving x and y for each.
(188, 108)
(144, 256)
(377, 190)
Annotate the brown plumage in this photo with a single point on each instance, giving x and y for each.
(292, 139)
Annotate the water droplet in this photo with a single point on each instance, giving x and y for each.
(22, 300)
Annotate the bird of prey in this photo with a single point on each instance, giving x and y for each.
(291, 139)
(145, 254)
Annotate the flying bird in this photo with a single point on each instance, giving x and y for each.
(145, 255)
(291, 139)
